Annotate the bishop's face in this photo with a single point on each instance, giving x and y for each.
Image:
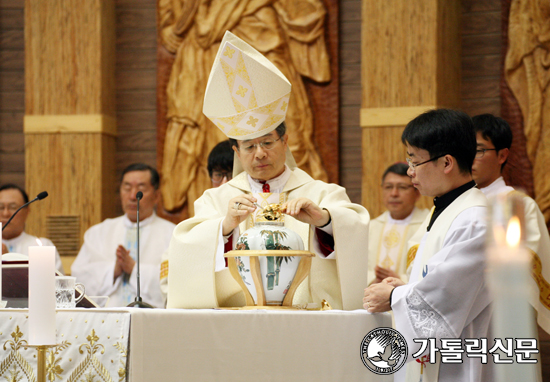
(263, 163)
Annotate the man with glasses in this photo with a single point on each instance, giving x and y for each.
(494, 140)
(446, 295)
(220, 163)
(14, 237)
(247, 98)
(390, 232)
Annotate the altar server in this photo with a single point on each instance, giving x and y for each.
(247, 98)
(106, 262)
(446, 296)
(390, 232)
(14, 237)
(494, 139)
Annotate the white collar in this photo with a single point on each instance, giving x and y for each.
(142, 223)
(407, 220)
(275, 185)
(16, 240)
(497, 187)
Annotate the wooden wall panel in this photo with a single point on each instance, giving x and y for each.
(481, 56)
(410, 64)
(135, 76)
(12, 100)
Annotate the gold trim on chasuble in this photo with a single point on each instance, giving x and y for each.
(411, 254)
(393, 238)
(544, 286)
(250, 117)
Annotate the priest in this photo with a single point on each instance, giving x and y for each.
(390, 232)
(446, 295)
(494, 140)
(106, 263)
(247, 98)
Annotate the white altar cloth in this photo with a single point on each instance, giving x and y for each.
(250, 345)
(158, 345)
(92, 345)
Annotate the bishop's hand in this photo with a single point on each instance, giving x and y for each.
(237, 211)
(306, 211)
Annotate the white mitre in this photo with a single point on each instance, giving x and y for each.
(246, 96)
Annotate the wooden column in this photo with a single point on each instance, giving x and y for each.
(410, 64)
(70, 116)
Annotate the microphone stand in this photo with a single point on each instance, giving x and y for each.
(138, 302)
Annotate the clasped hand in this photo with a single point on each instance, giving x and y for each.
(377, 296)
(124, 262)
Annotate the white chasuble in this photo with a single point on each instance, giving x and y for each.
(194, 283)
(388, 242)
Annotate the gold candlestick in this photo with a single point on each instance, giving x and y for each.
(41, 373)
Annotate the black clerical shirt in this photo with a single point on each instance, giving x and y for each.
(445, 201)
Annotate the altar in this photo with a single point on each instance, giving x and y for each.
(143, 345)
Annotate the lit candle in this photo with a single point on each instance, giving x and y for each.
(42, 295)
(508, 276)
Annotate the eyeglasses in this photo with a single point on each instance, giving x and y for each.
(413, 166)
(400, 187)
(268, 144)
(217, 176)
(12, 207)
(481, 152)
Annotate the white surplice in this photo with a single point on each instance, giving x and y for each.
(21, 244)
(95, 263)
(538, 241)
(447, 296)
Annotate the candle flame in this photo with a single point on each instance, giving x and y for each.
(39, 242)
(513, 232)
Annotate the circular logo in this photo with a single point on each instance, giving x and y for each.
(384, 351)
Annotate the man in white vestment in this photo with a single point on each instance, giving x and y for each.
(252, 113)
(446, 296)
(14, 237)
(494, 139)
(106, 263)
(390, 232)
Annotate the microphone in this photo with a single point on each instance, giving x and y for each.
(42, 195)
(138, 303)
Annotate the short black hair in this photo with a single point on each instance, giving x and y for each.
(494, 129)
(221, 157)
(281, 130)
(155, 178)
(442, 132)
(11, 186)
(398, 168)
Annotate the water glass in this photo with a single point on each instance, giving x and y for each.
(65, 292)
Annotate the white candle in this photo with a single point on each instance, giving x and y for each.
(42, 296)
(509, 279)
